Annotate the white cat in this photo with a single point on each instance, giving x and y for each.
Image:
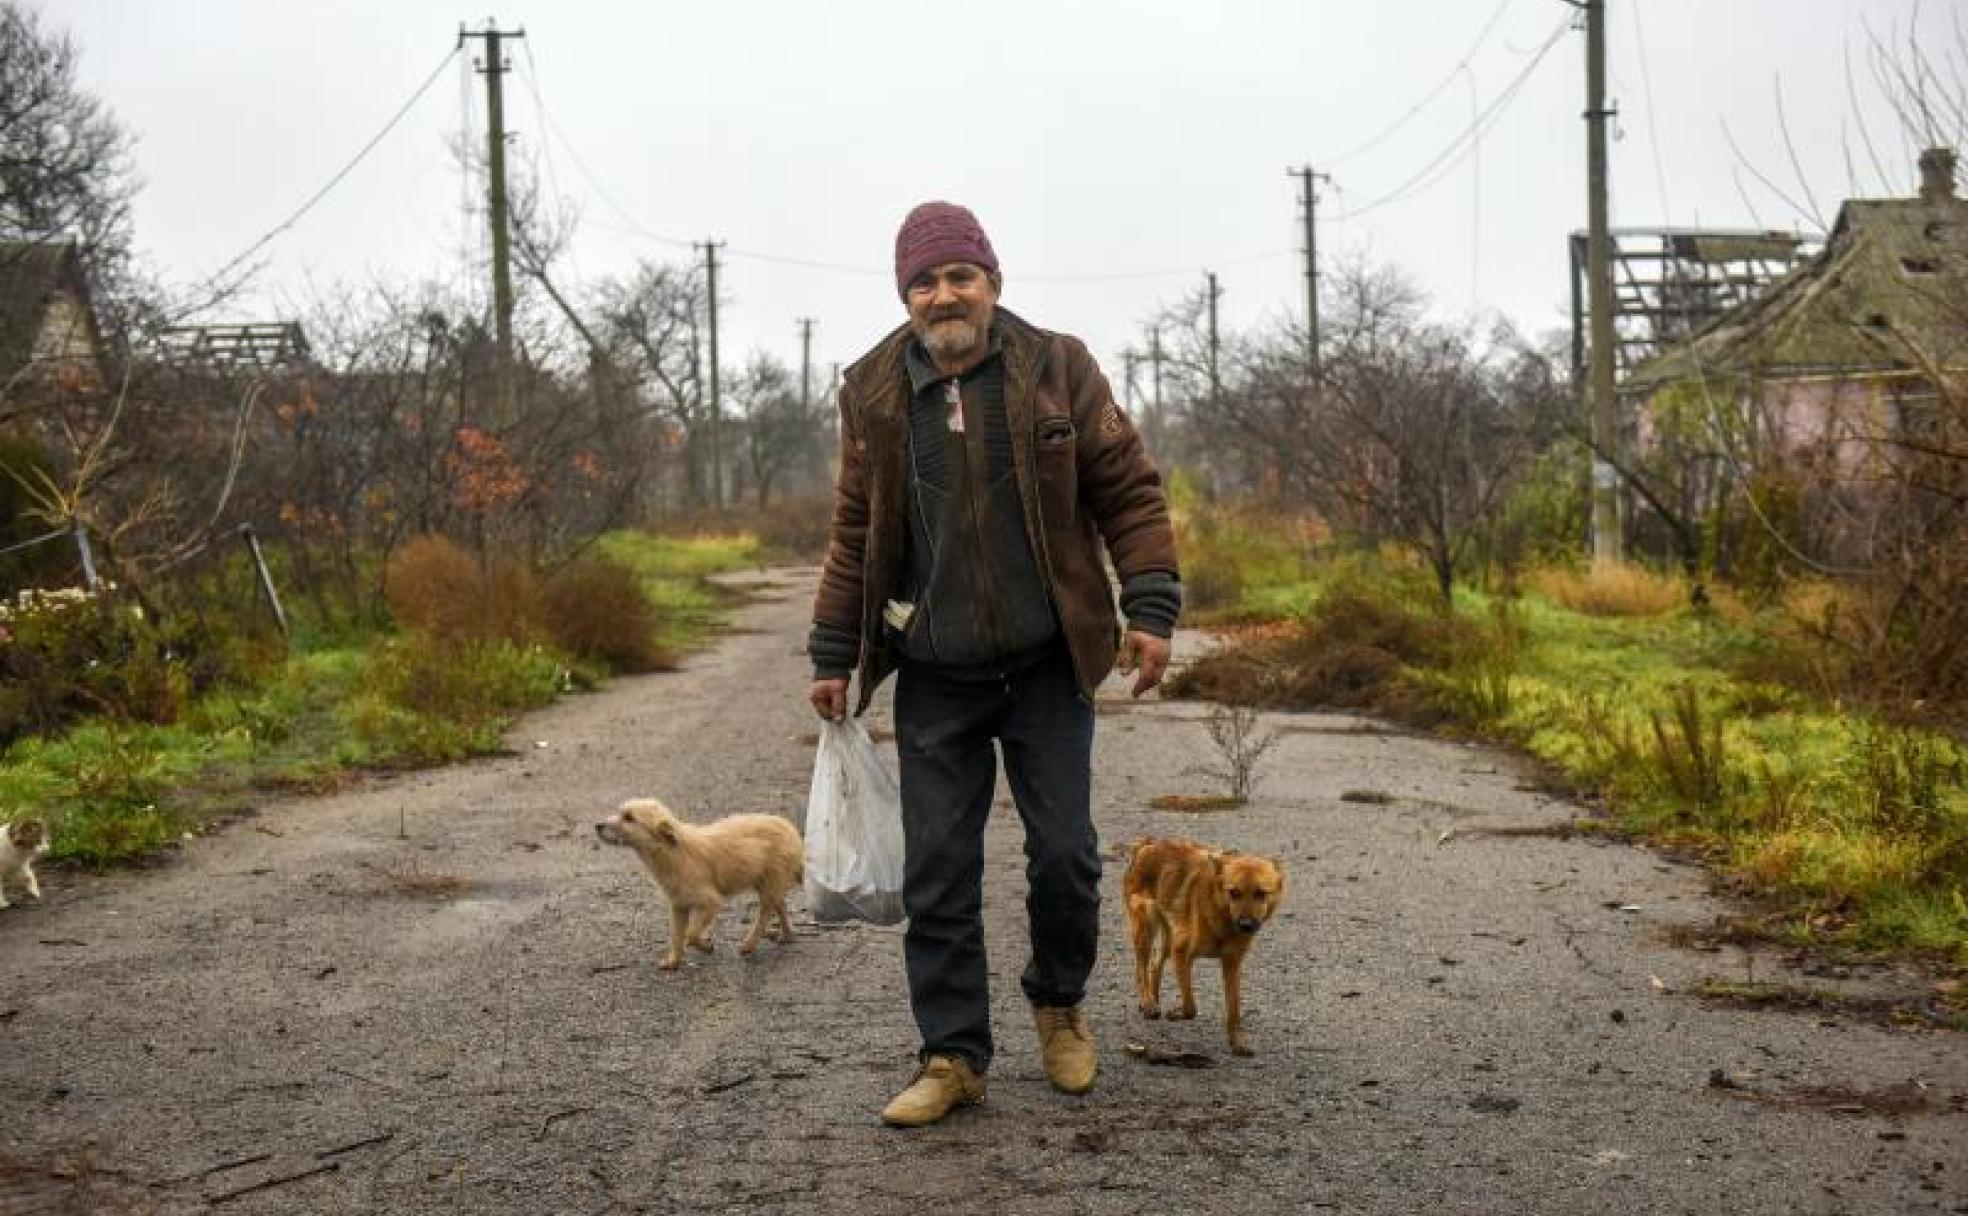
(20, 844)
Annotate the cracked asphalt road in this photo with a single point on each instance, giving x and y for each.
(437, 993)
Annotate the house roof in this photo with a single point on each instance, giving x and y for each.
(31, 272)
(1887, 283)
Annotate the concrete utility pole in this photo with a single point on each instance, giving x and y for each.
(1155, 371)
(710, 249)
(1309, 202)
(1129, 360)
(1215, 381)
(1599, 285)
(493, 67)
(806, 364)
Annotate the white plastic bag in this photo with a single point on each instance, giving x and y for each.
(853, 830)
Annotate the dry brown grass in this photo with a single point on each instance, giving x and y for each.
(436, 588)
(1196, 804)
(1618, 589)
(1351, 652)
(595, 609)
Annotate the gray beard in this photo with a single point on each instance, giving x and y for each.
(949, 340)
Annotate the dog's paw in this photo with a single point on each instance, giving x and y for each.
(670, 964)
(1184, 1014)
(1150, 1011)
(748, 948)
(703, 946)
(1242, 1047)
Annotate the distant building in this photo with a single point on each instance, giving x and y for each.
(1846, 349)
(49, 336)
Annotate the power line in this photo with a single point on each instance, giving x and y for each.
(635, 227)
(1647, 90)
(553, 128)
(1457, 148)
(1388, 131)
(336, 180)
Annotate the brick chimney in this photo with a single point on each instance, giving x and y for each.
(1937, 175)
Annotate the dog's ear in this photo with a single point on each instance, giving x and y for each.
(666, 832)
(1216, 862)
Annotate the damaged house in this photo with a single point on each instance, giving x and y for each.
(1828, 375)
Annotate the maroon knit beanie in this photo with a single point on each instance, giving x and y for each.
(936, 233)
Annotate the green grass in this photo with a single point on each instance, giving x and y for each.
(1855, 831)
(113, 791)
(1800, 801)
(674, 573)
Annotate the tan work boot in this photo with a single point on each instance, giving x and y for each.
(1067, 1046)
(942, 1084)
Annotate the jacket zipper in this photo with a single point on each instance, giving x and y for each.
(977, 481)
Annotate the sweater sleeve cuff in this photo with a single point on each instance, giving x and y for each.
(834, 651)
(1152, 602)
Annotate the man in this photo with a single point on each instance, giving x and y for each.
(984, 464)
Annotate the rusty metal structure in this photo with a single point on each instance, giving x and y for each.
(230, 347)
(1670, 283)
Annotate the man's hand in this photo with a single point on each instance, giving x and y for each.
(1148, 653)
(829, 698)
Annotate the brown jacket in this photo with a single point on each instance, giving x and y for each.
(1083, 479)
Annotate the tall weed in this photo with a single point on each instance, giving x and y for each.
(1691, 754)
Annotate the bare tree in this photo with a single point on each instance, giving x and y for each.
(65, 171)
(652, 325)
(64, 159)
(1413, 435)
(785, 446)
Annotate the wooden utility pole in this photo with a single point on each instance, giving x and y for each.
(1155, 370)
(493, 67)
(710, 249)
(1309, 202)
(1215, 380)
(1599, 287)
(806, 365)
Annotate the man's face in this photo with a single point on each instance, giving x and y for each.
(950, 309)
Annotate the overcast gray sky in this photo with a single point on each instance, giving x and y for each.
(1114, 149)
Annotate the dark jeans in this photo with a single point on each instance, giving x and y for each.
(944, 728)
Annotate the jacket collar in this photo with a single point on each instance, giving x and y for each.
(923, 370)
(880, 379)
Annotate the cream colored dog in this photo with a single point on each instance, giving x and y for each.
(700, 868)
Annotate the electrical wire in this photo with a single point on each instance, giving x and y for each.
(1387, 132)
(1460, 146)
(336, 180)
(635, 226)
(1647, 91)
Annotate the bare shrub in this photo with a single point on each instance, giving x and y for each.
(1240, 744)
(595, 609)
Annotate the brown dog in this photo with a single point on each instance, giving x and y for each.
(700, 868)
(1185, 902)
